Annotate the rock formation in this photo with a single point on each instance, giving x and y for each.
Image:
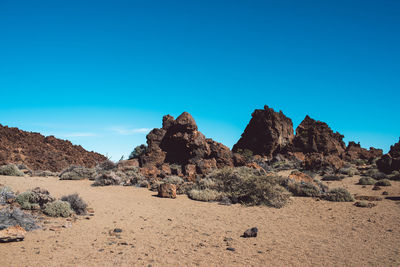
(316, 137)
(179, 142)
(42, 153)
(391, 161)
(354, 151)
(267, 133)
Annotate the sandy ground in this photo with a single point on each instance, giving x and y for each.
(182, 232)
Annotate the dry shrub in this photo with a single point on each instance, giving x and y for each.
(205, 195)
(384, 182)
(109, 178)
(366, 181)
(303, 189)
(77, 173)
(10, 170)
(58, 209)
(332, 177)
(349, 171)
(339, 195)
(76, 203)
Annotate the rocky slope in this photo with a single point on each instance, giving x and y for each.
(38, 152)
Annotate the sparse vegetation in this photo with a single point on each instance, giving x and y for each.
(205, 195)
(176, 180)
(349, 171)
(44, 173)
(366, 181)
(58, 209)
(6, 194)
(303, 189)
(339, 195)
(76, 203)
(246, 186)
(395, 176)
(376, 174)
(27, 200)
(106, 165)
(247, 154)
(384, 182)
(77, 173)
(10, 170)
(330, 177)
(138, 151)
(109, 178)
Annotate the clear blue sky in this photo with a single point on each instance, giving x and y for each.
(100, 73)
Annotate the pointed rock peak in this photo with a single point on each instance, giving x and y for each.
(185, 119)
(395, 150)
(167, 121)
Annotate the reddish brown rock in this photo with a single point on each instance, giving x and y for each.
(316, 137)
(190, 172)
(42, 153)
(267, 134)
(300, 177)
(150, 171)
(238, 160)
(317, 162)
(167, 191)
(390, 162)
(180, 143)
(206, 166)
(12, 233)
(165, 169)
(354, 151)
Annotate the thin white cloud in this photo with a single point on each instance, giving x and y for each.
(127, 131)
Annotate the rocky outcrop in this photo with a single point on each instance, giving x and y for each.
(180, 143)
(317, 137)
(42, 153)
(390, 162)
(167, 191)
(12, 233)
(354, 151)
(267, 133)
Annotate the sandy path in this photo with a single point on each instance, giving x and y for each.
(182, 232)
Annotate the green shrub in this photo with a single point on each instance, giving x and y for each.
(27, 200)
(395, 176)
(332, 177)
(76, 203)
(376, 174)
(10, 170)
(366, 181)
(138, 151)
(349, 171)
(251, 187)
(58, 209)
(303, 189)
(384, 182)
(77, 173)
(339, 195)
(205, 195)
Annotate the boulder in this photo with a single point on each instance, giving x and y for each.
(267, 133)
(320, 162)
(190, 172)
(390, 162)
(167, 190)
(252, 232)
(316, 137)
(12, 233)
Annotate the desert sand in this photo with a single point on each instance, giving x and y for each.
(183, 232)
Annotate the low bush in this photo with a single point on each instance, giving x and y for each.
(106, 165)
(384, 182)
(395, 176)
(176, 180)
(303, 189)
(205, 195)
(76, 203)
(376, 174)
(14, 216)
(332, 177)
(27, 201)
(250, 187)
(339, 195)
(10, 170)
(349, 171)
(58, 209)
(77, 173)
(45, 174)
(366, 181)
(106, 179)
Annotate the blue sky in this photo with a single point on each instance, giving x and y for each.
(101, 73)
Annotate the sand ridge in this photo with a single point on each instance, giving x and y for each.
(182, 232)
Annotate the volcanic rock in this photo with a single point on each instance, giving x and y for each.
(316, 137)
(179, 143)
(252, 232)
(267, 133)
(355, 151)
(390, 162)
(12, 233)
(42, 153)
(167, 190)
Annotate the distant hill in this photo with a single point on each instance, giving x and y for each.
(39, 152)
